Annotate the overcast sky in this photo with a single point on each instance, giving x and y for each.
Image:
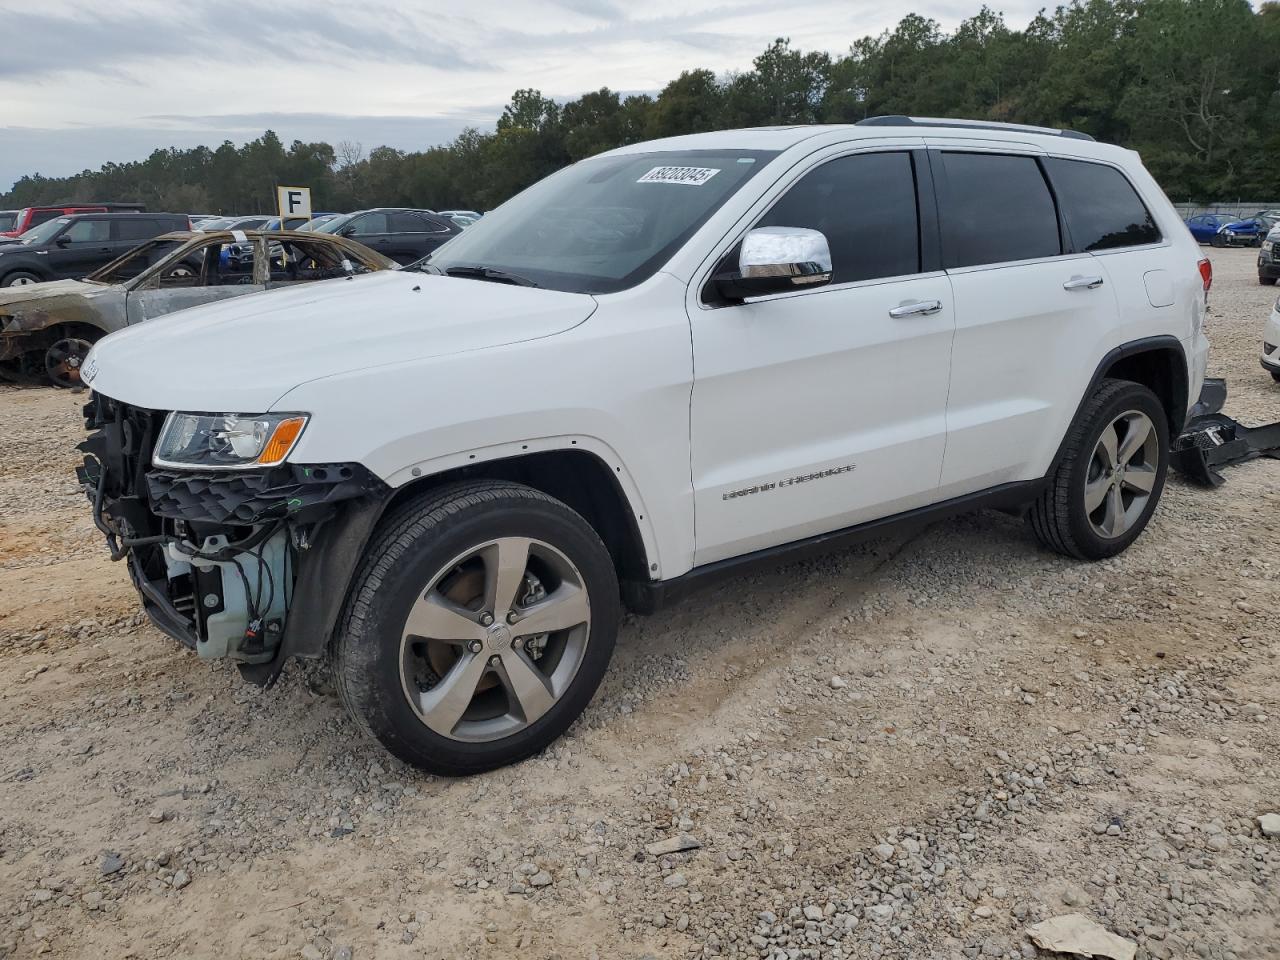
(83, 82)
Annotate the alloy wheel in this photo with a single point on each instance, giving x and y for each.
(63, 360)
(1122, 474)
(495, 639)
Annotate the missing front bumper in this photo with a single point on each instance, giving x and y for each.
(1211, 439)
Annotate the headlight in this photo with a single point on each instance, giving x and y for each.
(1268, 244)
(227, 441)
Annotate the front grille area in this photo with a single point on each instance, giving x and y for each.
(252, 498)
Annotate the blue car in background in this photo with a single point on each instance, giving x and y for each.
(1206, 226)
(1224, 230)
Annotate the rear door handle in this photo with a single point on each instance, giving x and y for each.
(1082, 283)
(921, 308)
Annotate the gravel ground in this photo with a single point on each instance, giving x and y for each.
(914, 749)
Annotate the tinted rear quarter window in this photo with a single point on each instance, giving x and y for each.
(406, 223)
(1101, 208)
(865, 205)
(137, 228)
(996, 208)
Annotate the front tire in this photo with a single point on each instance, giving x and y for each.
(20, 278)
(478, 628)
(1266, 281)
(1103, 492)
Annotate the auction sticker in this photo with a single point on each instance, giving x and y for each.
(689, 176)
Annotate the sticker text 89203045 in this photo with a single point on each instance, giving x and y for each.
(685, 176)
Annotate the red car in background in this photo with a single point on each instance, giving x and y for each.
(29, 217)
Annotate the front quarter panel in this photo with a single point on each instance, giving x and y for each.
(617, 385)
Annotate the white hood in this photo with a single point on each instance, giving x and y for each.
(243, 354)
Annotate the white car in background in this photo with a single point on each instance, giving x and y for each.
(654, 368)
(1271, 343)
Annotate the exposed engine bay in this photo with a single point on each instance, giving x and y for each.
(215, 556)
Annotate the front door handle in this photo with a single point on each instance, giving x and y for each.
(920, 308)
(1082, 283)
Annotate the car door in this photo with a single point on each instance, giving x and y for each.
(817, 410)
(81, 248)
(1030, 316)
(171, 285)
(372, 230)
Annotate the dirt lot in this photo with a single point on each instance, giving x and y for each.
(913, 750)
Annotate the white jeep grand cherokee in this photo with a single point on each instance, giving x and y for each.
(648, 370)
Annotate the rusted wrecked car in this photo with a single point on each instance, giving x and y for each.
(46, 329)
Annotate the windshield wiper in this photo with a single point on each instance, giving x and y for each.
(488, 273)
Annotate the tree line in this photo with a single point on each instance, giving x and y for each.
(1194, 85)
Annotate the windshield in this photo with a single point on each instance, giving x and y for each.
(44, 232)
(217, 223)
(7, 219)
(337, 223)
(314, 223)
(602, 225)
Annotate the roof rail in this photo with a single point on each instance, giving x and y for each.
(898, 120)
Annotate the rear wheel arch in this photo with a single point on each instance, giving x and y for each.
(1161, 367)
(1158, 363)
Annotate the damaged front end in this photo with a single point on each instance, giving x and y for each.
(233, 564)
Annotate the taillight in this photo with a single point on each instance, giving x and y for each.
(1206, 274)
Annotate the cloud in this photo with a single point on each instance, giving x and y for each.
(110, 40)
(83, 82)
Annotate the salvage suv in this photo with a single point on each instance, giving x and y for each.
(654, 368)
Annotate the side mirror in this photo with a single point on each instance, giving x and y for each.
(778, 259)
(347, 232)
(62, 242)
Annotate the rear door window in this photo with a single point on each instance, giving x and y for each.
(407, 223)
(865, 205)
(995, 208)
(1101, 208)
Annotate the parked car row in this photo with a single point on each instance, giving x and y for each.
(1226, 230)
(47, 329)
(158, 263)
(28, 217)
(75, 245)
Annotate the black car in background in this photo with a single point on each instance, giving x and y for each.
(401, 233)
(70, 247)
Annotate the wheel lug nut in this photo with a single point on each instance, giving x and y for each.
(512, 617)
(486, 619)
(475, 646)
(493, 661)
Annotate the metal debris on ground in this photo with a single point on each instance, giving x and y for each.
(1211, 439)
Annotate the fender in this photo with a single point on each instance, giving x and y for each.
(1129, 349)
(326, 569)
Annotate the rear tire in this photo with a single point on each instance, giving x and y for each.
(1275, 375)
(1103, 492)
(20, 278)
(1267, 281)
(426, 659)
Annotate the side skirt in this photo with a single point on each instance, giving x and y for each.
(651, 596)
